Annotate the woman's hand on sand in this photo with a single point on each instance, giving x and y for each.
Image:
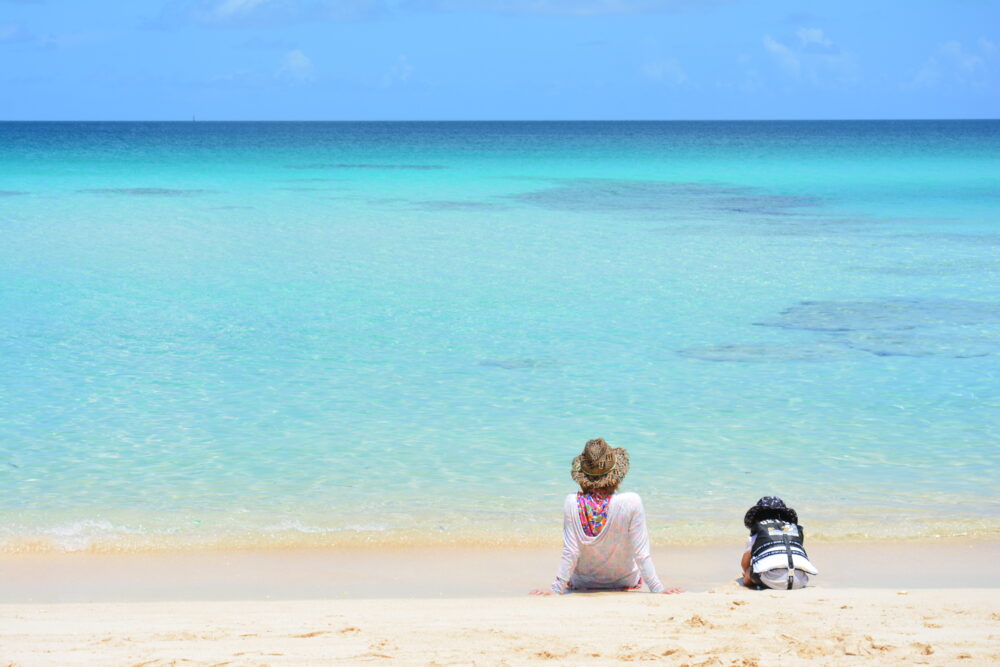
(672, 591)
(541, 591)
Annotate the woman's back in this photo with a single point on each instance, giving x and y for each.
(615, 558)
(605, 541)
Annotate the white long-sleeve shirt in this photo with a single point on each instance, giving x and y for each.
(615, 557)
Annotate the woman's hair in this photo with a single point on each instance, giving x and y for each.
(605, 490)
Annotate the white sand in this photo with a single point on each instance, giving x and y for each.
(469, 605)
(728, 626)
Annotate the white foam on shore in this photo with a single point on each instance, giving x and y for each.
(101, 535)
(296, 526)
(81, 535)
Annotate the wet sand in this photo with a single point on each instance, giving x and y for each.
(457, 571)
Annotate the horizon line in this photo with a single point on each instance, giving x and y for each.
(496, 120)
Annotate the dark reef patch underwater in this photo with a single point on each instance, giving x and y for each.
(883, 314)
(886, 328)
(613, 196)
(518, 364)
(415, 167)
(146, 192)
(457, 205)
(769, 353)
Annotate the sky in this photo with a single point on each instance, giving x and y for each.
(498, 59)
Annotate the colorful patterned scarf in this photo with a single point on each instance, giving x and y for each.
(593, 508)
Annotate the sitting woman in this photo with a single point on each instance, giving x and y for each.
(605, 541)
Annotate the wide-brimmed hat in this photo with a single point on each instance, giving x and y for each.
(773, 505)
(599, 466)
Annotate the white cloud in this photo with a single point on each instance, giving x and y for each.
(265, 13)
(783, 54)
(668, 70)
(813, 36)
(297, 66)
(955, 63)
(812, 40)
(563, 7)
(814, 59)
(229, 8)
(961, 58)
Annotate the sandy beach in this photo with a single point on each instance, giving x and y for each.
(872, 604)
(725, 626)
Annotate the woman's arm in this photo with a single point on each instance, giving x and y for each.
(639, 536)
(570, 550)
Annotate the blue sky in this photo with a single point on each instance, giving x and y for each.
(498, 59)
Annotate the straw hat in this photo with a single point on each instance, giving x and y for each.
(773, 505)
(599, 466)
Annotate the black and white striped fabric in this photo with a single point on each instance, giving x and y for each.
(778, 544)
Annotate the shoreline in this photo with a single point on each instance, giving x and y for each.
(115, 540)
(451, 571)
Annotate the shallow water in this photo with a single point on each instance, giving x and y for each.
(279, 332)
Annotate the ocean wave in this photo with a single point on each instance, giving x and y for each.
(80, 535)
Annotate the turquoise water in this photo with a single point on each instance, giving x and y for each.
(352, 331)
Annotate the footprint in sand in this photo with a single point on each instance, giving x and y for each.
(314, 633)
(705, 663)
(878, 647)
(697, 621)
(549, 655)
(629, 653)
(383, 645)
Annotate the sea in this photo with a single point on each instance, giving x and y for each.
(278, 334)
